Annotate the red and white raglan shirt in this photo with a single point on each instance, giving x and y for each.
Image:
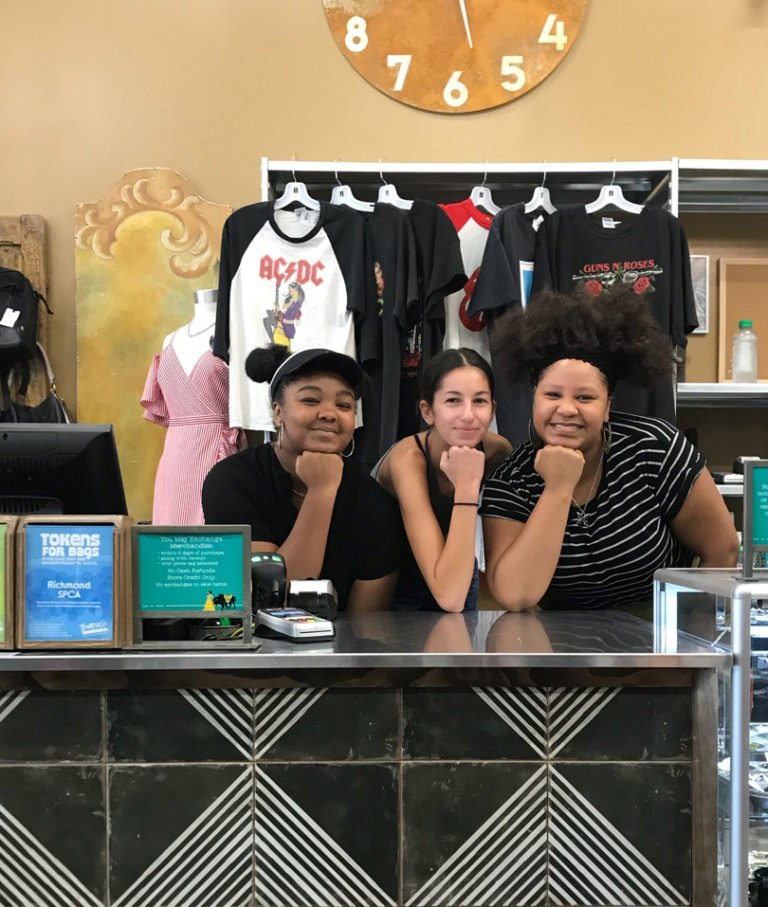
(297, 278)
(461, 328)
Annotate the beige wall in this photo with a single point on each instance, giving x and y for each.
(92, 88)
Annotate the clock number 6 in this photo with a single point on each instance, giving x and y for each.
(403, 61)
(357, 37)
(455, 92)
(510, 66)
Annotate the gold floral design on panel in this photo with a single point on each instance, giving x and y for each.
(193, 239)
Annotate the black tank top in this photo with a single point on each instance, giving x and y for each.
(442, 504)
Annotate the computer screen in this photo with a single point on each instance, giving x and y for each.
(52, 468)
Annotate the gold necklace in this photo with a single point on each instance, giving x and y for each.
(299, 494)
(582, 520)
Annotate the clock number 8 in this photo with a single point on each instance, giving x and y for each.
(357, 38)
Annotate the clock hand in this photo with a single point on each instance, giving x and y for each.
(463, 6)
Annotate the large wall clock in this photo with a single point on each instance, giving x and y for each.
(455, 56)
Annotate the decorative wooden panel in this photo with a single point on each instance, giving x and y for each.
(141, 252)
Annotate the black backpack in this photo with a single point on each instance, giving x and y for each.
(19, 302)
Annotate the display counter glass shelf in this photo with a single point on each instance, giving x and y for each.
(719, 605)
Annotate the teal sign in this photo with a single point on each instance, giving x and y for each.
(760, 505)
(190, 571)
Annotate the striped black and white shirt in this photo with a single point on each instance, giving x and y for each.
(647, 474)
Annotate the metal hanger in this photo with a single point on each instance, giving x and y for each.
(295, 193)
(611, 195)
(481, 197)
(540, 198)
(342, 195)
(388, 194)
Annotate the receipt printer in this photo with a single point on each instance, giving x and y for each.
(267, 580)
(314, 595)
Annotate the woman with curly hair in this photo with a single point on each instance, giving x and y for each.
(584, 513)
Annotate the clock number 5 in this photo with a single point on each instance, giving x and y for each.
(357, 37)
(510, 66)
(455, 92)
(403, 61)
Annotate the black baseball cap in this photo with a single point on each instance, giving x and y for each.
(320, 360)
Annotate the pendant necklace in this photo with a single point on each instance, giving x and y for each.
(582, 520)
(198, 333)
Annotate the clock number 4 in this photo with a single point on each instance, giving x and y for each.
(357, 36)
(558, 37)
(403, 61)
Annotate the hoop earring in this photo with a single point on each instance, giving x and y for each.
(533, 435)
(345, 455)
(607, 437)
(279, 439)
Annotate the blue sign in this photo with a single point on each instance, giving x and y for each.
(69, 583)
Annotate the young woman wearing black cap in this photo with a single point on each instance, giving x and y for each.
(584, 513)
(301, 497)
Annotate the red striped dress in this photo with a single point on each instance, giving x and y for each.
(195, 410)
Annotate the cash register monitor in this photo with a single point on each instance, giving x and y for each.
(59, 469)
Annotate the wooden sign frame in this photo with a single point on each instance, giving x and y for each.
(242, 615)
(120, 563)
(7, 605)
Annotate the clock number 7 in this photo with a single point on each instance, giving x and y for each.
(403, 61)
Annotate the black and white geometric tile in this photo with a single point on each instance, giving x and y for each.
(283, 797)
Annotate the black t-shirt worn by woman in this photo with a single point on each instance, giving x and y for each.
(365, 534)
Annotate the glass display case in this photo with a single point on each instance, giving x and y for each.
(723, 607)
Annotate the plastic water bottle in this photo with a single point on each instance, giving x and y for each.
(744, 353)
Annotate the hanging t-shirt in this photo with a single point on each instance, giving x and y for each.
(505, 279)
(440, 271)
(647, 252)
(506, 272)
(397, 300)
(296, 278)
(461, 328)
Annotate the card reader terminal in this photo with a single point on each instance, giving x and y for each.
(295, 623)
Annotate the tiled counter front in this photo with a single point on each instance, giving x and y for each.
(474, 791)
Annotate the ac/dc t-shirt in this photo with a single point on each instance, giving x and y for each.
(297, 278)
(646, 252)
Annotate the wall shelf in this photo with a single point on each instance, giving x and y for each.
(723, 393)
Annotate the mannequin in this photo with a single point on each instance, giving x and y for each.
(193, 339)
(187, 392)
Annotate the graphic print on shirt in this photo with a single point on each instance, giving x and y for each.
(471, 322)
(604, 275)
(281, 323)
(379, 277)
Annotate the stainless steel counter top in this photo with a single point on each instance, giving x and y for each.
(484, 639)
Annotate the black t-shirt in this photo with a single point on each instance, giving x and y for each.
(440, 273)
(505, 279)
(396, 275)
(647, 252)
(365, 535)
